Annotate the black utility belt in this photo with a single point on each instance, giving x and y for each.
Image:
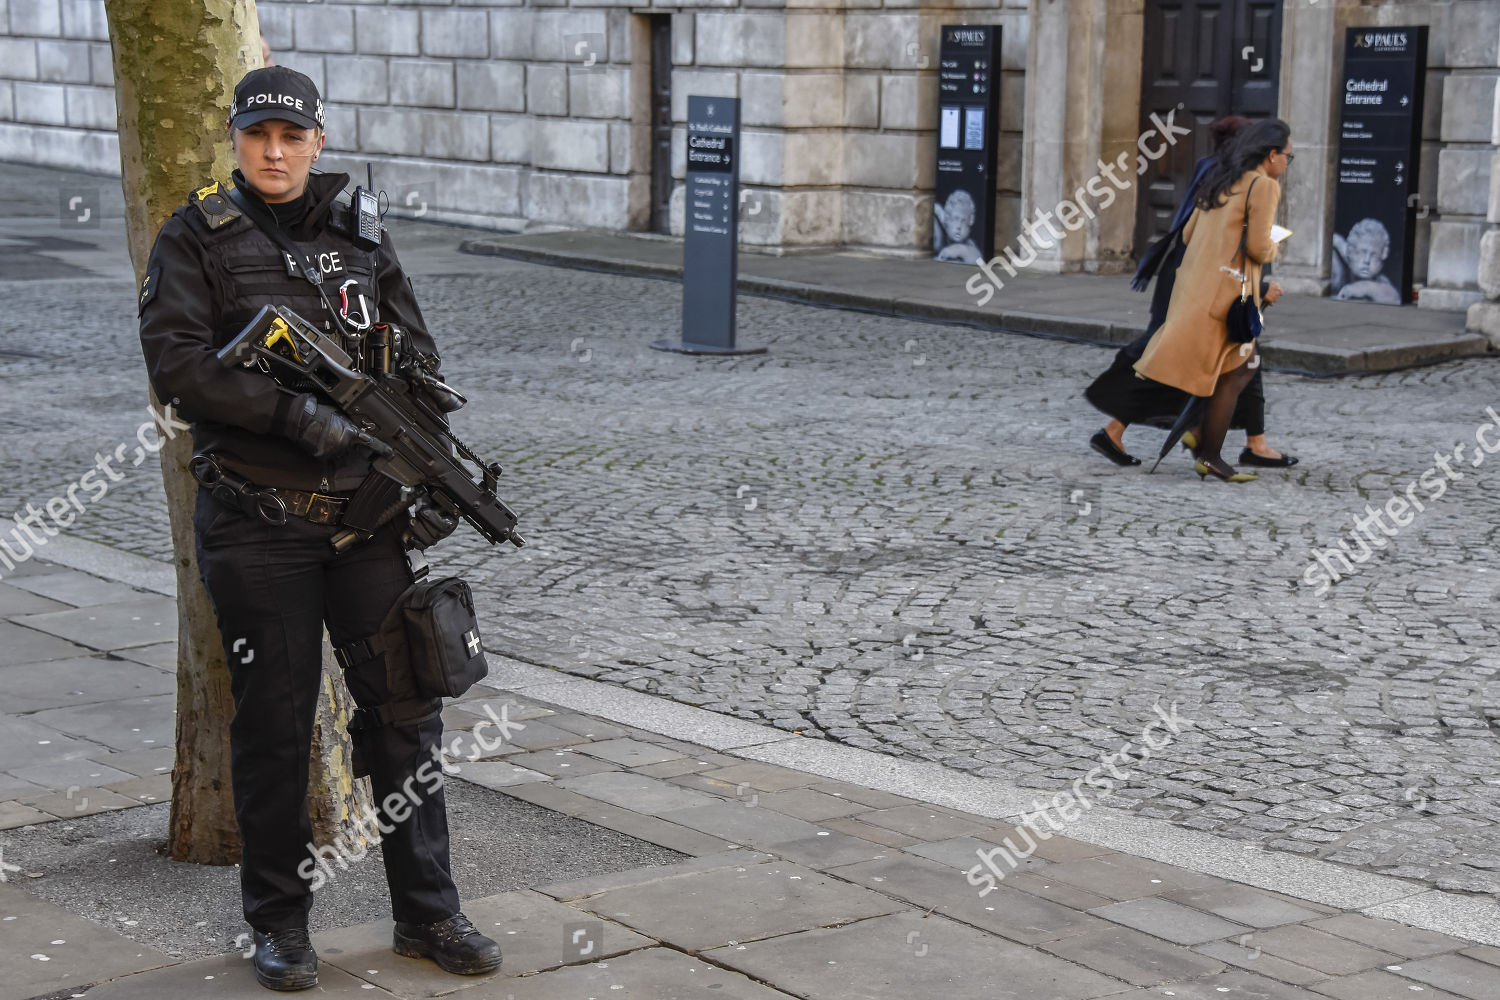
(270, 504)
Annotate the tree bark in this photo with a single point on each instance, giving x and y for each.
(176, 63)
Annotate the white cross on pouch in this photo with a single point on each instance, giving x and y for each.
(471, 640)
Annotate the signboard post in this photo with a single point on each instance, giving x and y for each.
(963, 210)
(710, 239)
(1380, 142)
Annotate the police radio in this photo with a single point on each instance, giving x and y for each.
(366, 234)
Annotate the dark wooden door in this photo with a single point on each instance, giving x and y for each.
(661, 123)
(1206, 59)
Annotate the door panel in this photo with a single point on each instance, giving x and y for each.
(1195, 60)
(661, 123)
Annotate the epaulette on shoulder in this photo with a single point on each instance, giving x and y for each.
(217, 209)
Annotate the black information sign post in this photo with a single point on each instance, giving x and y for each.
(710, 244)
(1380, 141)
(963, 214)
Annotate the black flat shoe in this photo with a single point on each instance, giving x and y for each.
(1101, 443)
(1248, 457)
(285, 960)
(454, 944)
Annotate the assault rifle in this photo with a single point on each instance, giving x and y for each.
(403, 415)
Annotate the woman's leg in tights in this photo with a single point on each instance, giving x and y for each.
(1221, 408)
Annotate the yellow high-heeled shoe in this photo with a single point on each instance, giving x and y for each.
(1190, 441)
(1204, 469)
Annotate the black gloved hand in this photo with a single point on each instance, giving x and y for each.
(321, 430)
(428, 526)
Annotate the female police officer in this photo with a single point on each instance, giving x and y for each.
(273, 585)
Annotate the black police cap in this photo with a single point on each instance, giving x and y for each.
(276, 92)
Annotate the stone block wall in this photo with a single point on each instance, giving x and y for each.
(57, 104)
(515, 112)
(838, 110)
(1465, 52)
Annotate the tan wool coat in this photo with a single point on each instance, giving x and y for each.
(1192, 348)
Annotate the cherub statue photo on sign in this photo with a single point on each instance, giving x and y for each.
(952, 225)
(1357, 263)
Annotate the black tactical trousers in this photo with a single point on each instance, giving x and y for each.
(272, 589)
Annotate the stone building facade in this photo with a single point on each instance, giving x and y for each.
(512, 113)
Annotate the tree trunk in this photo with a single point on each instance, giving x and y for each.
(176, 63)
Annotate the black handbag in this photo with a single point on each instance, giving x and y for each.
(1244, 320)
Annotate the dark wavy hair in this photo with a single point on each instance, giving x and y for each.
(1225, 129)
(1244, 152)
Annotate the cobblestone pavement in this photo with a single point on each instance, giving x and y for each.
(893, 534)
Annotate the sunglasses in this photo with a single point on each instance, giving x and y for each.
(1289, 158)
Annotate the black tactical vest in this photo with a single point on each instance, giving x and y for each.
(256, 273)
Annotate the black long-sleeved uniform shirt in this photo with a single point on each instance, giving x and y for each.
(207, 276)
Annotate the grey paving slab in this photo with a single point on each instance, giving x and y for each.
(1236, 984)
(156, 788)
(759, 828)
(1243, 953)
(864, 831)
(124, 725)
(1170, 921)
(11, 786)
(588, 727)
(78, 681)
(1378, 986)
(162, 655)
(84, 772)
(75, 803)
(648, 828)
(631, 791)
(578, 888)
(652, 974)
(827, 849)
(227, 977)
(925, 822)
(1001, 909)
(1334, 955)
(813, 806)
(1388, 936)
(14, 814)
(1244, 905)
(46, 948)
(141, 622)
(1456, 974)
(1122, 877)
(24, 742)
(1484, 953)
(495, 773)
(1137, 958)
(563, 763)
(20, 645)
(78, 589)
(762, 777)
(907, 955)
(963, 853)
(776, 897)
(629, 753)
(141, 763)
(1062, 893)
(15, 601)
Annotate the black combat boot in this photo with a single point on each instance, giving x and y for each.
(453, 944)
(285, 960)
